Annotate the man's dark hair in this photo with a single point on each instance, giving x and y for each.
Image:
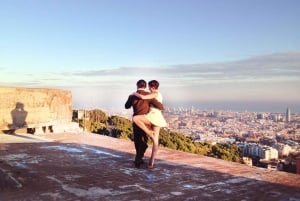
(153, 83)
(141, 84)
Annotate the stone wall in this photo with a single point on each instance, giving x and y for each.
(34, 108)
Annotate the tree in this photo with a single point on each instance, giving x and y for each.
(121, 127)
(95, 121)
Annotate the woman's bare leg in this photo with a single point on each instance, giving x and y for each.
(155, 139)
(142, 122)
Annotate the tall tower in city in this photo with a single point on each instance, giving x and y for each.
(288, 115)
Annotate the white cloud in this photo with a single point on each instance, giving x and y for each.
(268, 77)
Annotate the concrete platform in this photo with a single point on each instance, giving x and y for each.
(80, 166)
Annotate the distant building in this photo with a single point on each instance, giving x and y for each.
(263, 152)
(288, 115)
(269, 153)
(274, 117)
(260, 116)
(283, 149)
(81, 114)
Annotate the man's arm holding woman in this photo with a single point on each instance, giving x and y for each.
(148, 96)
(156, 104)
(151, 97)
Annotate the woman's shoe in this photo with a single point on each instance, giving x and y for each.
(151, 165)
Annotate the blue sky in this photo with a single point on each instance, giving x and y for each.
(201, 51)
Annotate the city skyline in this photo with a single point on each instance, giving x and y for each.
(229, 55)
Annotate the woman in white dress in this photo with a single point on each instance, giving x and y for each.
(154, 119)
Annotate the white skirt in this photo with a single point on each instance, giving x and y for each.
(156, 118)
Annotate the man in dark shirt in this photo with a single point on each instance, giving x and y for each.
(140, 107)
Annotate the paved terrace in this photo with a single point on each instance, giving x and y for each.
(92, 167)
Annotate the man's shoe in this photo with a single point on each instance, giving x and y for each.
(138, 163)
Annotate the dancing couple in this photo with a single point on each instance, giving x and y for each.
(147, 119)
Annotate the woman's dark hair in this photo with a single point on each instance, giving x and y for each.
(154, 84)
